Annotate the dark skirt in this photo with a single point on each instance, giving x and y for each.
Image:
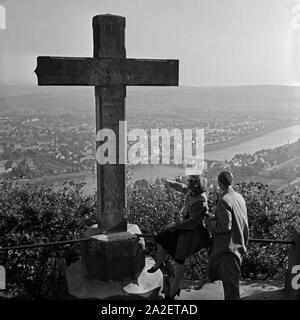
(180, 244)
(168, 239)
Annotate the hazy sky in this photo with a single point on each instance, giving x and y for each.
(218, 42)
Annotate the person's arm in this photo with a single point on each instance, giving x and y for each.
(196, 214)
(206, 217)
(178, 186)
(222, 221)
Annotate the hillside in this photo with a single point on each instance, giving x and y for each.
(182, 102)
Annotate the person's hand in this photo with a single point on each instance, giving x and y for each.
(204, 222)
(165, 181)
(208, 216)
(171, 225)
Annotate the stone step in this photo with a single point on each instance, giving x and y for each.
(145, 286)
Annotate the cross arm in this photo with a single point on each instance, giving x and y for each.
(106, 71)
(151, 72)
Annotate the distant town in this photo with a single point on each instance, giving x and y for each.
(41, 146)
(48, 145)
(49, 134)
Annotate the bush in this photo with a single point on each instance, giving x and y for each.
(32, 214)
(270, 216)
(36, 214)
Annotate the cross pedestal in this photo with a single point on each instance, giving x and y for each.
(121, 251)
(113, 266)
(113, 252)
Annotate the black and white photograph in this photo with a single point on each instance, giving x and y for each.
(149, 153)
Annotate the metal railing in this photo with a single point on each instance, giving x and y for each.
(66, 242)
(250, 240)
(46, 244)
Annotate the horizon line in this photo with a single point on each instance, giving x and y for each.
(180, 85)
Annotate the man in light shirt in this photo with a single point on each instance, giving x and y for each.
(229, 227)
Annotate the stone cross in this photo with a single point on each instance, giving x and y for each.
(109, 71)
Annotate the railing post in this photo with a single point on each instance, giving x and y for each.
(292, 278)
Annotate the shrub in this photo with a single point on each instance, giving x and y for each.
(32, 214)
(270, 216)
(36, 214)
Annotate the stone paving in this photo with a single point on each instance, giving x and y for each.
(249, 290)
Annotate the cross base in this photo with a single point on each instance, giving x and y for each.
(111, 256)
(113, 266)
(146, 286)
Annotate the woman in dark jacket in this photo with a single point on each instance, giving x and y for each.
(182, 239)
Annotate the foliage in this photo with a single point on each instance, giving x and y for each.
(33, 214)
(36, 214)
(152, 206)
(270, 216)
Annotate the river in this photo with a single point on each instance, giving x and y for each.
(151, 172)
(269, 140)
